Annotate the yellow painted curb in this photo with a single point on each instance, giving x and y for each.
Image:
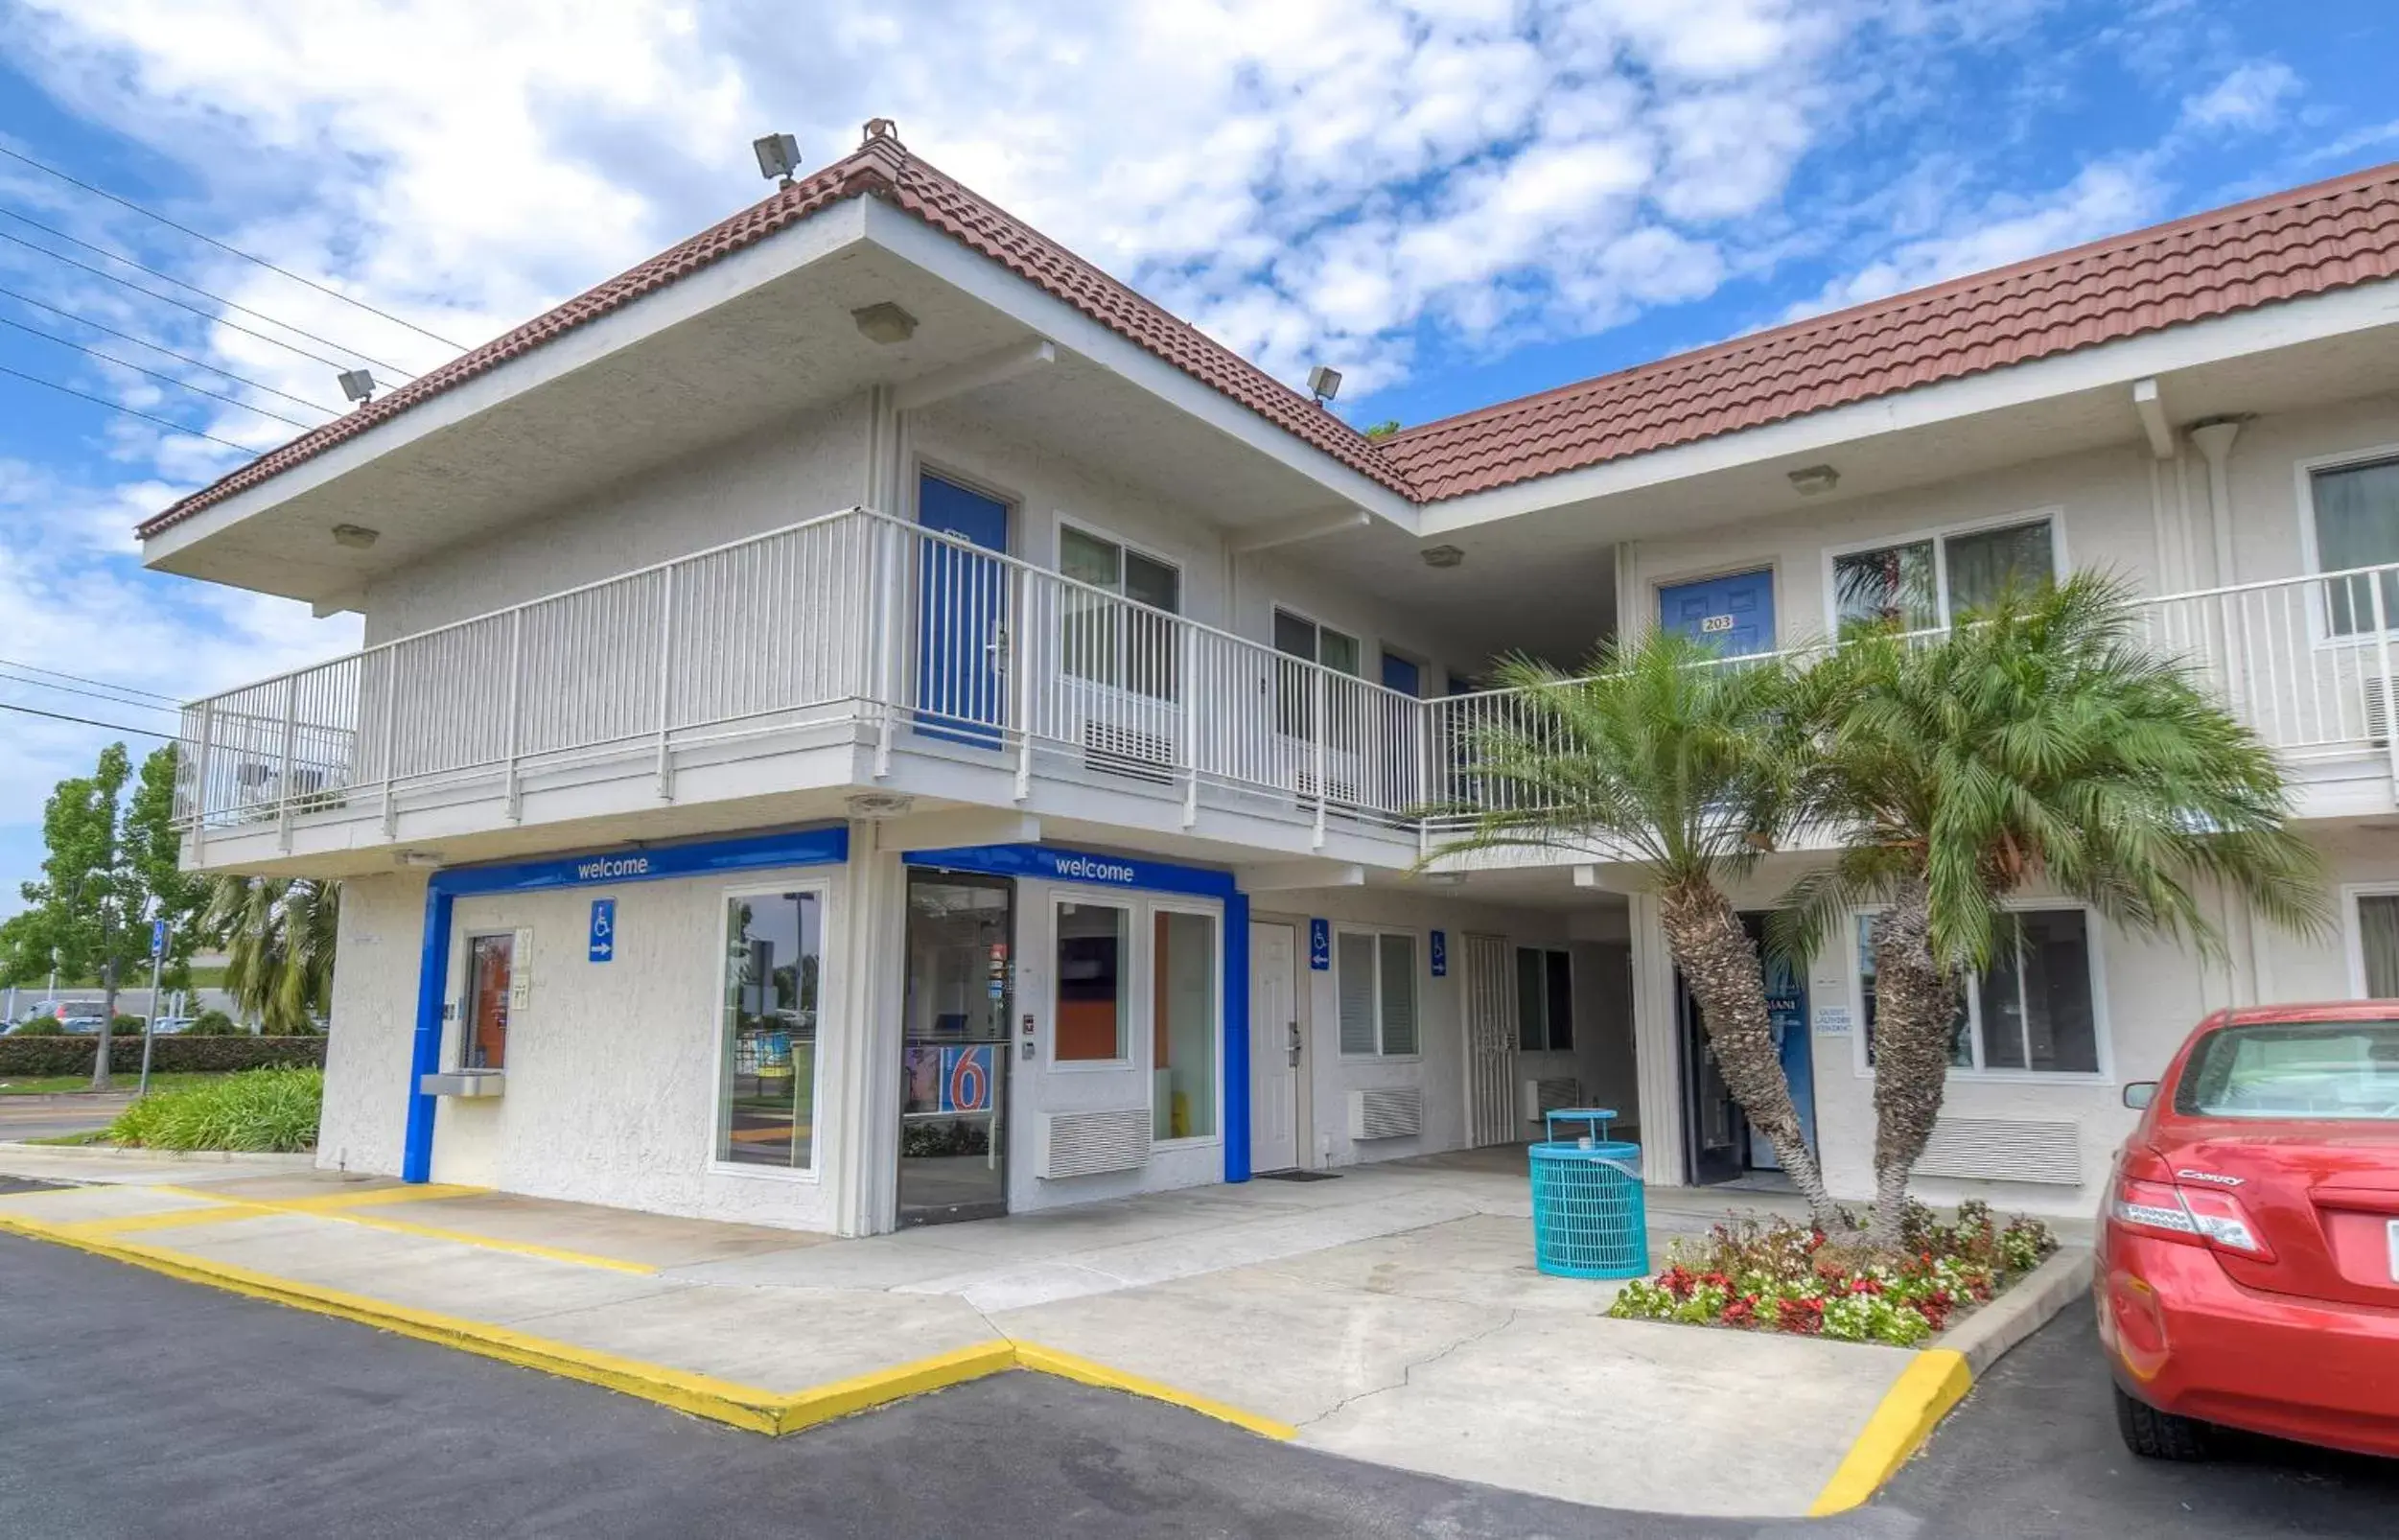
(1936, 1380)
(342, 1208)
(747, 1407)
(1066, 1365)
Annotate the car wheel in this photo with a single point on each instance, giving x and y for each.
(2154, 1435)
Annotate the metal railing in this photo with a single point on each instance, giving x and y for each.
(874, 629)
(853, 620)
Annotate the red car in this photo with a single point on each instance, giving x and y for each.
(2247, 1266)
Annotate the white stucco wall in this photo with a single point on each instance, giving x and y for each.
(368, 1052)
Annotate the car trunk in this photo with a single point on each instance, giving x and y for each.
(2324, 1196)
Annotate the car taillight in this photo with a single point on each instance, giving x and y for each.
(2195, 1215)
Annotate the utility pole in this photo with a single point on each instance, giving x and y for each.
(150, 1018)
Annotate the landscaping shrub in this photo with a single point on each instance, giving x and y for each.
(32, 1057)
(122, 1023)
(273, 1109)
(1774, 1275)
(41, 1026)
(215, 1024)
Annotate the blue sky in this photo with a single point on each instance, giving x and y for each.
(1455, 201)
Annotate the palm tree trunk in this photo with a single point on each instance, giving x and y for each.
(1719, 963)
(1916, 1012)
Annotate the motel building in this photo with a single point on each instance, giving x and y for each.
(866, 720)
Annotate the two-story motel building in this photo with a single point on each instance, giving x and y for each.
(867, 720)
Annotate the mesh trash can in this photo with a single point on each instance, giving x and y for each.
(1589, 1218)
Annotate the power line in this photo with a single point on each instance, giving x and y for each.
(95, 694)
(103, 401)
(179, 385)
(106, 275)
(129, 689)
(155, 347)
(127, 202)
(113, 727)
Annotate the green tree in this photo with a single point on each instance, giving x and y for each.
(109, 868)
(1661, 757)
(278, 935)
(2038, 744)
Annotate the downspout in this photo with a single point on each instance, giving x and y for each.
(2214, 438)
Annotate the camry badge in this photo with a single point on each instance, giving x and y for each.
(2208, 1176)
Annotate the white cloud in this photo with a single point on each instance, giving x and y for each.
(2250, 97)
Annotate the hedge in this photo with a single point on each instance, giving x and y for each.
(32, 1057)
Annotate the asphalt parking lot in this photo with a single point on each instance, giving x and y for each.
(2033, 1452)
(145, 1406)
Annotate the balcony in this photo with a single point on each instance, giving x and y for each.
(897, 648)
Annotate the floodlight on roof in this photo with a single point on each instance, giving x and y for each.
(358, 384)
(1324, 383)
(778, 156)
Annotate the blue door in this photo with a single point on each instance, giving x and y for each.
(1736, 613)
(1787, 1014)
(962, 610)
(1402, 675)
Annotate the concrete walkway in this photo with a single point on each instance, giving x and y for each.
(1392, 1315)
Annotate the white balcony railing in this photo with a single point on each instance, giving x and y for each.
(851, 618)
(860, 622)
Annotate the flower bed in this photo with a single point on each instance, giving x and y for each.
(1757, 1274)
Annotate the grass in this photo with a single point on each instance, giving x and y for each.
(267, 1109)
(52, 1084)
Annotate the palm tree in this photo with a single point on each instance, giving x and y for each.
(2038, 743)
(278, 935)
(1666, 756)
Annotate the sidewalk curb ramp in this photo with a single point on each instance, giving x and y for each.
(748, 1406)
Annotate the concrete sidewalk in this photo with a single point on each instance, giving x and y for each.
(1393, 1315)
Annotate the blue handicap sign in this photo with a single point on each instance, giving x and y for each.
(1440, 954)
(1319, 945)
(603, 930)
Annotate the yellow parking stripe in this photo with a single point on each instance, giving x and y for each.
(492, 1242)
(1933, 1382)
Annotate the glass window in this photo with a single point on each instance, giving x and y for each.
(772, 958)
(489, 971)
(2357, 524)
(1094, 983)
(1544, 1000)
(1113, 643)
(1923, 584)
(2297, 1069)
(2378, 940)
(1376, 985)
(1184, 1035)
(1298, 636)
(1354, 981)
(2032, 1011)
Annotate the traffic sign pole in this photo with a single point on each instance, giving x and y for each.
(150, 1017)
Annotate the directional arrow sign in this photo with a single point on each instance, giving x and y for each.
(603, 930)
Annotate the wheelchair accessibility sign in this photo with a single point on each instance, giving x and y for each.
(603, 930)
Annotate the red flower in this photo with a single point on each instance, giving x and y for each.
(1805, 1316)
(1740, 1312)
(1715, 1280)
(1863, 1284)
(1676, 1281)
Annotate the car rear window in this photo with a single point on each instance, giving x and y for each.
(2327, 1069)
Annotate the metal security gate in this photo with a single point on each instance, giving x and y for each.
(1490, 1043)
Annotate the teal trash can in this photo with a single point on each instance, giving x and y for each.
(1589, 1218)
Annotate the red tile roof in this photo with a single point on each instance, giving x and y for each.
(2286, 245)
(879, 168)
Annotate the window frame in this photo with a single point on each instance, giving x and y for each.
(2311, 555)
(716, 1166)
(1545, 953)
(2103, 1034)
(2353, 929)
(464, 1047)
(1320, 628)
(1214, 914)
(1119, 677)
(1091, 530)
(1940, 535)
(1415, 987)
(1136, 965)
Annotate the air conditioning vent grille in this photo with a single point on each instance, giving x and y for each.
(1086, 1144)
(1122, 751)
(1550, 1093)
(1995, 1149)
(1387, 1113)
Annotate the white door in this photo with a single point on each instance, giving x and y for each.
(1273, 1049)
(1491, 1096)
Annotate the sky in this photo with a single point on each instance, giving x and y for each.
(1452, 202)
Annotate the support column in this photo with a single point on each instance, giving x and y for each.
(1657, 1048)
(862, 1163)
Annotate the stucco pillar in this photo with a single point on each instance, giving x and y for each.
(1657, 1048)
(865, 1128)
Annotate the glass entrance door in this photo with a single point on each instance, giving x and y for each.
(953, 1156)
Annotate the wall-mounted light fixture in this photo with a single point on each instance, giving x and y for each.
(1442, 555)
(1809, 480)
(355, 536)
(884, 322)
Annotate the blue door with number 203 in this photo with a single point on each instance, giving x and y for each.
(1736, 614)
